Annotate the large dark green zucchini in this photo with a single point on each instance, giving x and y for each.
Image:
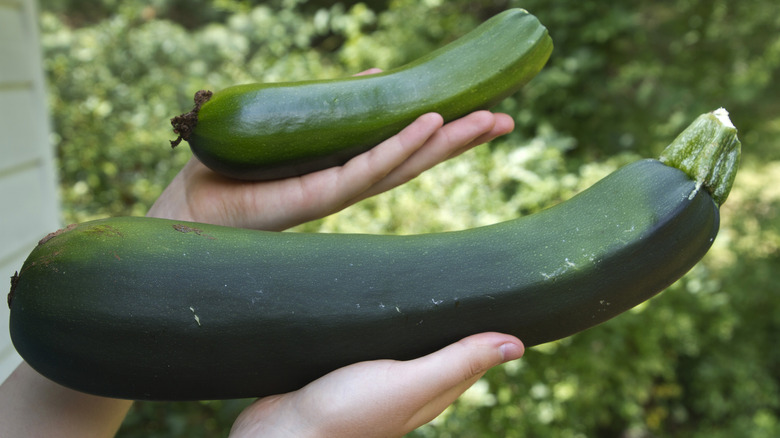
(277, 130)
(146, 308)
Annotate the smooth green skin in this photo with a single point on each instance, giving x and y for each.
(277, 130)
(144, 308)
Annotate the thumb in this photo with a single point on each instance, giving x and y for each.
(441, 377)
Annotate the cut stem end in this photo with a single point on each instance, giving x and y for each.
(709, 152)
(184, 124)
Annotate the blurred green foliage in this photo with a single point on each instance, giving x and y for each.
(699, 360)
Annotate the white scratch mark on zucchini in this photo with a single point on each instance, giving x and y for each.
(197, 319)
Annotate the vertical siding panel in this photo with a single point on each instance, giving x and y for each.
(28, 181)
(20, 140)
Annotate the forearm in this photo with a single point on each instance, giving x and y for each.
(33, 406)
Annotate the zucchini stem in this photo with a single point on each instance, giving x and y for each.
(14, 282)
(708, 150)
(184, 124)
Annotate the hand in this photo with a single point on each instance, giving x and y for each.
(381, 398)
(197, 194)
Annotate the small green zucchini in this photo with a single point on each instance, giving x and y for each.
(144, 308)
(277, 130)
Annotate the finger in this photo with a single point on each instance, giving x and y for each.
(504, 124)
(452, 140)
(438, 379)
(340, 186)
(370, 71)
(462, 361)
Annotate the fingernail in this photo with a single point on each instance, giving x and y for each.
(510, 351)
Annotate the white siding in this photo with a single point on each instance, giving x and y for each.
(29, 208)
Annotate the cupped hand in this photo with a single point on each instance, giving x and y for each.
(197, 194)
(382, 398)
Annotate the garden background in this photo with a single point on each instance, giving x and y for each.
(699, 360)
